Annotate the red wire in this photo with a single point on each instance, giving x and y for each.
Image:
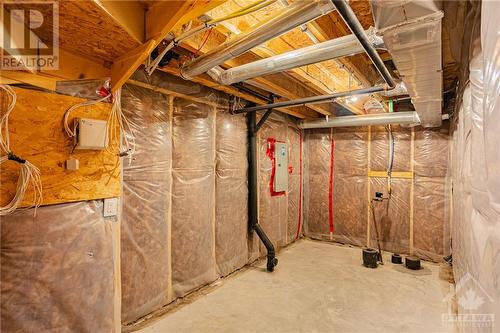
(204, 42)
(330, 192)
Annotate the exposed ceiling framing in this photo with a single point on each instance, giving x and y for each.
(112, 38)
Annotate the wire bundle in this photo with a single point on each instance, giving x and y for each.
(29, 173)
(116, 119)
(71, 132)
(253, 7)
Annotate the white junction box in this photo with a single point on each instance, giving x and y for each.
(110, 207)
(281, 167)
(91, 134)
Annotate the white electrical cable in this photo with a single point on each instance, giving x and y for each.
(391, 159)
(116, 120)
(29, 174)
(71, 132)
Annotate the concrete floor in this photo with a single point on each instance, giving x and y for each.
(317, 287)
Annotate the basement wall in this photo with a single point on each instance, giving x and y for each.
(184, 221)
(353, 161)
(476, 182)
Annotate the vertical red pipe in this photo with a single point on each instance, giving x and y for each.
(299, 225)
(330, 192)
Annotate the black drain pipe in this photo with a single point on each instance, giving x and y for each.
(253, 218)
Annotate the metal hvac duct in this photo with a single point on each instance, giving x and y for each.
(296, 14)
(335, 48)
(352, 22)
(401, 118)
(411, 30)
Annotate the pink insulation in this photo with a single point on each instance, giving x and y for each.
(476, 180)
(185, 220)
(405, 225)
(146, 208)
(58, 270)
(278, 214)
(193, 196)
(231, 220)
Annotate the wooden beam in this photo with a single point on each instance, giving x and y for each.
(279, 83)
(394, 174)
(164, 15)
(126, 65)
(173, 93)
(37, 80)
(161, 18)
(128, 14)
(299, 112)
(74, 67)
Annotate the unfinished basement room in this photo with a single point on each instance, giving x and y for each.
(249, 166)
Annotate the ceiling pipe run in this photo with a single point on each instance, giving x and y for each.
(296, 14)
(311, 100)
(332, 49)
(352, 22)
(401, 118)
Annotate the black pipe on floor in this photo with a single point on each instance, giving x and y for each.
(253, 218)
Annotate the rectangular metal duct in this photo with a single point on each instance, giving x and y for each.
(296, 14)
(412, 34)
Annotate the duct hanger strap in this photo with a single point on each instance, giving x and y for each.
(13, 157)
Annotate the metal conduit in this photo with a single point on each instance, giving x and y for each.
(298, 13)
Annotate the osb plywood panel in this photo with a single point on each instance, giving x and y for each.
(87, 30)
(36, 134)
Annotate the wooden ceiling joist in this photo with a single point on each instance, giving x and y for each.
(299, 112)
(161, 18)
(279, 83)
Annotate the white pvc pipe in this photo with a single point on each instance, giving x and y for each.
(296, 14)
(401, 118)
(332, 49)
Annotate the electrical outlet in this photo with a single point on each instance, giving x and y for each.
(110, 207)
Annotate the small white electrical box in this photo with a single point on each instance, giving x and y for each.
(72, 164)
(91, 134)
(281, 167)
(110, 207)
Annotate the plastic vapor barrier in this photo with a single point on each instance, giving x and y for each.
(185, 192)
(59, 270)
(145, 264)
(295, 190)
(273, 210)
(346, 166)
(279, 214)
(476, 180)
(231, 220)
(193, 196)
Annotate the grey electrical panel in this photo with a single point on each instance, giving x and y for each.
(281, 167)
